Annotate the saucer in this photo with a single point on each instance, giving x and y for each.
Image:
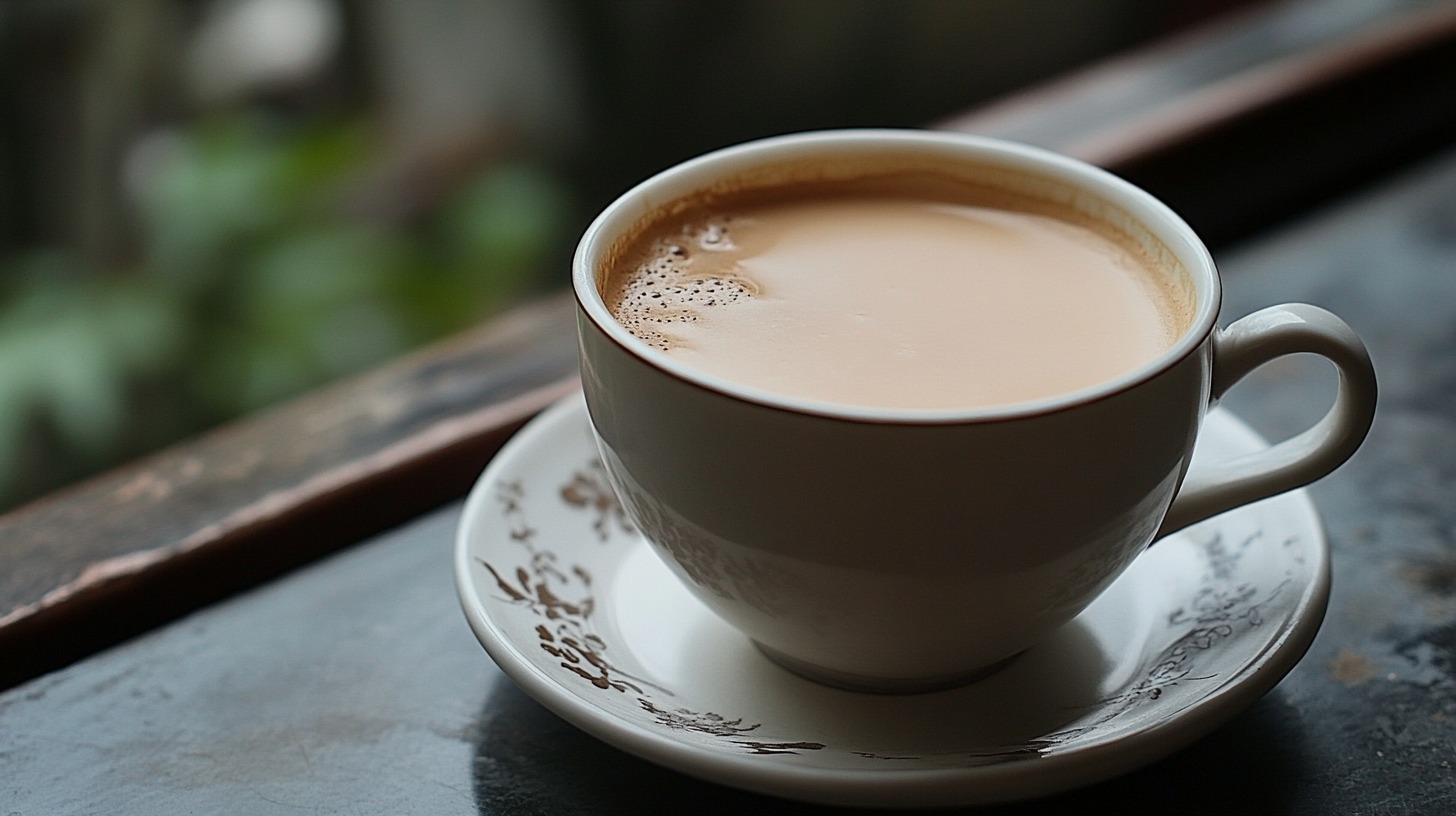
(576, 608)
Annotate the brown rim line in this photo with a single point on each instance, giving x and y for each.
(1032, 166)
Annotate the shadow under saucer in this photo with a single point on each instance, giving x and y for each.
(528, 761)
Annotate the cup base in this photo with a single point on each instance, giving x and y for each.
(880, 685)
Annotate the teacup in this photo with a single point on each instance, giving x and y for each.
(895, 549)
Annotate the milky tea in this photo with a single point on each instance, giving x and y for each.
(899, 290)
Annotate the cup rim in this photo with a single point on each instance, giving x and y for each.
(696, 174)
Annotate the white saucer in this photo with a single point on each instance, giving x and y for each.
(571, 603)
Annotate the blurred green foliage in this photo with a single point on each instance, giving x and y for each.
(258, 277)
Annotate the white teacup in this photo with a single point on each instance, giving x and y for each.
(897, 550)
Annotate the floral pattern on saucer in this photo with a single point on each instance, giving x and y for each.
(570, 601)
(561, 596)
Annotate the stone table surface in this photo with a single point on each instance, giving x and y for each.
(354, 686)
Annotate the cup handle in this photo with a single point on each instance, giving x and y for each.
(1244, 346)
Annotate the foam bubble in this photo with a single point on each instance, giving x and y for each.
(712, 236)
(676, 279)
